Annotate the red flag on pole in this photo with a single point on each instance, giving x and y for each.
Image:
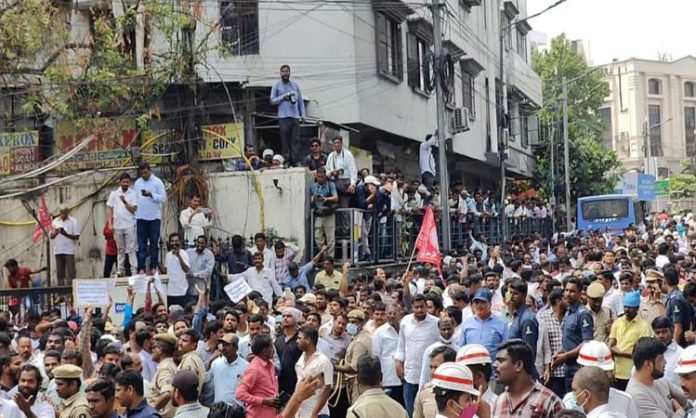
(426, 242)
(44, 218)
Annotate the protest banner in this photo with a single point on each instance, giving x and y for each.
(237, 288)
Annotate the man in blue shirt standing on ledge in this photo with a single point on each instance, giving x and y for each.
(150, 195)
(287, 96)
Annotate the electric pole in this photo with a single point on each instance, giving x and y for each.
(441, 127)
(648, 150)
(552, 168)
(566, 161)
(501, 122)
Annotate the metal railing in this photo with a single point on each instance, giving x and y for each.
(36, 299)
(391, 238)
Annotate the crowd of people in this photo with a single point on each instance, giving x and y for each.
(587, 323)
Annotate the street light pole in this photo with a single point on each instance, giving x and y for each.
(566, 160)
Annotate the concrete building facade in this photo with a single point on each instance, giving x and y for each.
(651, 112)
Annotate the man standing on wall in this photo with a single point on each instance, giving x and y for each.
(287, 96)
(120, 217)
(151, 195)
(427, 161)
(65, 234)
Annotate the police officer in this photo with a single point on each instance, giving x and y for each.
(455, 394)
(677, 308)
(68, 380)
(578, 327)
(160, 396)
(524, 323)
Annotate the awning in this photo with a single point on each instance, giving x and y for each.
(395, 9)
(422, 29)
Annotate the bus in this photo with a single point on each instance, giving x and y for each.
(610, 212)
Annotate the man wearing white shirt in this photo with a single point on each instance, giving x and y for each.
(664, 331)
(426, 161)
(27, 397)
(446, 328)
(195, 219)
(385, 340)
(261, 247)
(420, 330)
(176, 266)
(612, 298)
(591, 389)
(65, 234)
(262, 279)
(341, 168)
(120, 216)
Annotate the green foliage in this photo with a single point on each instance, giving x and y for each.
(593, 168)
(95, 72)
(684, 184)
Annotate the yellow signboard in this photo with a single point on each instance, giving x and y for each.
(19, 152)
(212, 147)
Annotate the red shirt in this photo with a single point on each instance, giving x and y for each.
(22, 278)
(110, 248)
(258, 382)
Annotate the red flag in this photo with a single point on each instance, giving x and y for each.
(44, 218)
(426, 242)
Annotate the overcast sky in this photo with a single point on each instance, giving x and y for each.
(622, 28)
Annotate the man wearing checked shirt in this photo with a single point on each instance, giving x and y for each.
(578, 327)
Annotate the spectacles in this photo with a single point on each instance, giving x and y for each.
(314, 145)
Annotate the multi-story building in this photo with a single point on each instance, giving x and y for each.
(651, 112)
(365, 67)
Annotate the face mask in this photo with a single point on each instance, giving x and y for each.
(352, 329)
(572, 403)
(469, 411)
(445, 341)
(279, 319)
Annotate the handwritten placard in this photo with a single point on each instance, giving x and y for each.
(237, 288)
(91, 292)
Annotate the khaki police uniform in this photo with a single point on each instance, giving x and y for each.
(192, 361)
(425, 405)
(75, 406)
(161, 383)
(376, 403)
(361, 345)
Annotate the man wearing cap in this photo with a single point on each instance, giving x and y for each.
(484, 328)
(373, 402)
(185, 396)
(288, 350)
(160, 396)
(360, 345)
(686, 369)
(68, 379)
(597, 354)
(655, 397)
(591, 389)
(625, 332)
(601, 315)
(578, 327)
(190, 360)
(226, 371)
(523, 397)
(653, 304)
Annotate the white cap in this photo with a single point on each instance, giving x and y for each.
(454, 376)
(596, 353)
(473, 354)
(267, 152)
(687, 361)
(371, 180)
(279, 158)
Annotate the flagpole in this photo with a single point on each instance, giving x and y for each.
(410, 260)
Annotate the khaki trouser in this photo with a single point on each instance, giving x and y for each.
(325, 232)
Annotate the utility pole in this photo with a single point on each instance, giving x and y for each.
(501, 122)
(552, 169)
(437, 8)
(647, 147)
(566, 162)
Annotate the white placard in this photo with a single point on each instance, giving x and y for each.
(91, 292)
(139, 283)
(237, 288)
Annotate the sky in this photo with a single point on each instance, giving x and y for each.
(622, 28)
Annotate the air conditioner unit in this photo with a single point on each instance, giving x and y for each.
(460, 120)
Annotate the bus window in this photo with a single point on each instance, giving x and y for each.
(605, 209)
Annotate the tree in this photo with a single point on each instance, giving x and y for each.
(593, 168)
(118, 62)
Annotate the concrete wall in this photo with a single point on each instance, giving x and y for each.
(233, 199)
